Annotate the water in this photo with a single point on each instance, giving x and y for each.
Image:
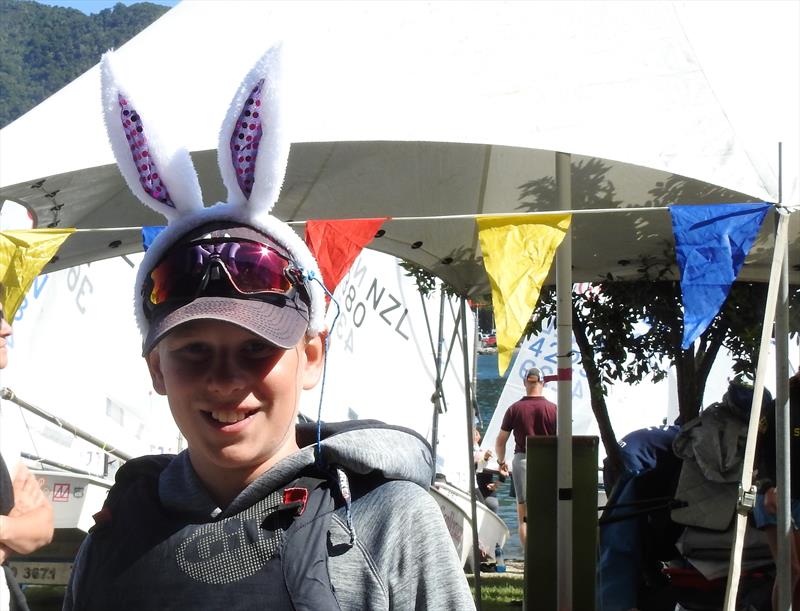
(489, 388)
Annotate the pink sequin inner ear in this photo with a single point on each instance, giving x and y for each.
(137, 141)
(245, 138)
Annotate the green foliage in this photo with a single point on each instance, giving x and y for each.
(43, 48)
(425, 280)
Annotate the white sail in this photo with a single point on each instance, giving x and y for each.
(540, 351)
(76, 353)
(381, 362)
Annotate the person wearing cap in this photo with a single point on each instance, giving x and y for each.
(26, 516)
(531, 415)
(259, 512)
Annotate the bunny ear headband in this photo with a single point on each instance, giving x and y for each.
(252, 155)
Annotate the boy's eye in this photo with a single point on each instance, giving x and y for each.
(258, 349)
(194, 349)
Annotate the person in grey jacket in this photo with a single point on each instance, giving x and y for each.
(259, 512)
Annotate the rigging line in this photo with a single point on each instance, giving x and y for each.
(9, 395)
(30, 434)
(58, 465)
(445, 217)
(457, 319)
(439, 394)
(427, 324)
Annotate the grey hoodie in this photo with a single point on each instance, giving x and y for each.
(402, 557)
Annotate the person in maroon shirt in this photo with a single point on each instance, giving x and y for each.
(531, 415)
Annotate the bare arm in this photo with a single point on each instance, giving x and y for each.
(500, 447)
(29, 525)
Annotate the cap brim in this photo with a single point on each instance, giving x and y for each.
(280, 324)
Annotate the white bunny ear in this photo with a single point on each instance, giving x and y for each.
(163, 179)
(253, 149)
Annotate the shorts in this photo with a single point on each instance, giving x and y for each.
(519, 466)
(763, 518)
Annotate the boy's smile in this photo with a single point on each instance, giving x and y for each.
(225, 417)
(233, 395)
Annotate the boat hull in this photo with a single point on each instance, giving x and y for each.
(457, 512)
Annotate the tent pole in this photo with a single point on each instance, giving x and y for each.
(782, 423)
(783, 578)
(746, 488)
(476, 557)
(564, 339)
(437, 393)
(473, 381)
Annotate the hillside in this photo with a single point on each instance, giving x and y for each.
(42, 48)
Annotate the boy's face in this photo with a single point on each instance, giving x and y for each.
(233, 395)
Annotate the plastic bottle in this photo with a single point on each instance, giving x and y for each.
(500, 563)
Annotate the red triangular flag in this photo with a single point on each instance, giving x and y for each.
(336, 244)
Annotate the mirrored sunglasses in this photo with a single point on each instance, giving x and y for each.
(251, 268)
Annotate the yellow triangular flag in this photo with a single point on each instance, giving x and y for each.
(517, 254)
(23, 254)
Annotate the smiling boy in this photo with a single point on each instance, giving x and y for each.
(259, 512)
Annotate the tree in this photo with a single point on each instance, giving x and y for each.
(43, 48)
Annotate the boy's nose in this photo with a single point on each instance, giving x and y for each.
(225, 377)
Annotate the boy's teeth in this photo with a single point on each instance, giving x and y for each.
(228, 416)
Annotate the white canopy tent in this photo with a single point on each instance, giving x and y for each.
(418, 110)
(424, 112)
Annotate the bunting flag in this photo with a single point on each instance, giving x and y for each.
(711, 243)
(23, 254)
(149, 234)
(517, 253)
(336, 244)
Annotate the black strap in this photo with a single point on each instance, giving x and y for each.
(6, 489)
(18, 602)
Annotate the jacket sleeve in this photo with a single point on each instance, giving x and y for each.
(72, 593)
(765, 449)
(404, 557)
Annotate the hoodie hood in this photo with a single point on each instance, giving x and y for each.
(359, 447)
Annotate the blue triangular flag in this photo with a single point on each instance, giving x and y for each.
(711, 243)
(149, 234)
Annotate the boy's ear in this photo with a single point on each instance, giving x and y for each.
(315, 359)
(154, 366)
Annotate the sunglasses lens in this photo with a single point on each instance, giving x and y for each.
(255, 268)
(178, 275)
(251, 267)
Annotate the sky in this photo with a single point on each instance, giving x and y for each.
(95, 6)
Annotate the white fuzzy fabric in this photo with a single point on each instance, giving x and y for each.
(180, 178)
(174, 164)
(273, 150)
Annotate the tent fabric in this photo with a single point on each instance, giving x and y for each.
(711, 243)
(336, 244)
(23, 254)
(660, 94)
(517, 253)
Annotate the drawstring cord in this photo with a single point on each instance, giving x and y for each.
(344, 490)
(311, 276)
(341, 476)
